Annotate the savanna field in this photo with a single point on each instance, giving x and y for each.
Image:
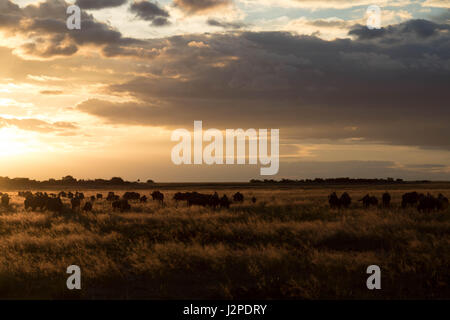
(287, 245)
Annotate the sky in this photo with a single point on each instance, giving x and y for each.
(103, 101)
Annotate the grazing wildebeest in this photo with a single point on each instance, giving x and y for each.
(368, 201)
(99, 196)
(70, 195)
(76, 203)
(156, 195)
(131, 195)
(121, 205)
(93, 198)
(224, 202)
(5, 200)
(54, 205)
(253, 200)
(238, 197)
(333, 200)
(345, 200)
(62, 194)
(79, 195)
(111, 196)
(43, 202)
(410, 199)
(143, 199)
(386, 198)
(442, 202)
(427, 203)
(87, 207)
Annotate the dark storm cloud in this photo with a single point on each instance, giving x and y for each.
(224, 24)
(200, 6)
(390, 88)
(99, 4)
(45, 25)
(150, 11)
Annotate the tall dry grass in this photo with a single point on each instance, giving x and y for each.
(289, 245)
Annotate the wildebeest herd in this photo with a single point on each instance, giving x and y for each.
(54, 203)
(423, 203)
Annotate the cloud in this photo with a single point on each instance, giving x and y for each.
(436, 3)
(150, 11)
(201, 6)
(389, 87)
(44, 27)
(99, 4)
(51, 92)
(224, 24)
(37, 125)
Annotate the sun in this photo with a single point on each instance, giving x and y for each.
(14, 142)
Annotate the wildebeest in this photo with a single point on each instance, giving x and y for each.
(70, 195)
(224, 202)
(87, 207)
(343, 201)
(130, 195)
(43, 202)
(93, 198)
(333, 200)
(79, 195)
(112, 197)
(54, 204)
(121, 205)
(157, 195)
(368, 201)
(386, 199)
(143, 199)
(253, 200)
(62, 194)
(99, 196)
(238, 197)
(410, 199)
(427, 203)
(76, 203)
(442, 202)
(5, 200)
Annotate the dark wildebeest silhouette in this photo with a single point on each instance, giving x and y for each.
(93, 199)
(99, 196)
(156, 195)
(442, 202)
(79, 195)
(368, 201)
(143, 199)
(131, 196)
(386, 199)
(62, 194)
(238, 197)
(333, 200)
(76, 203)
(410, 199)
(336, 203)
(427, 203)
(225, 202)
(253, 200)
(345, 200)
(70, 195)
(54, 205)
(121, 205)
(111, 196)
(87, 207)
(43, 202)
(5, 200)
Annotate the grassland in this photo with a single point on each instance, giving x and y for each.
(289, 245)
